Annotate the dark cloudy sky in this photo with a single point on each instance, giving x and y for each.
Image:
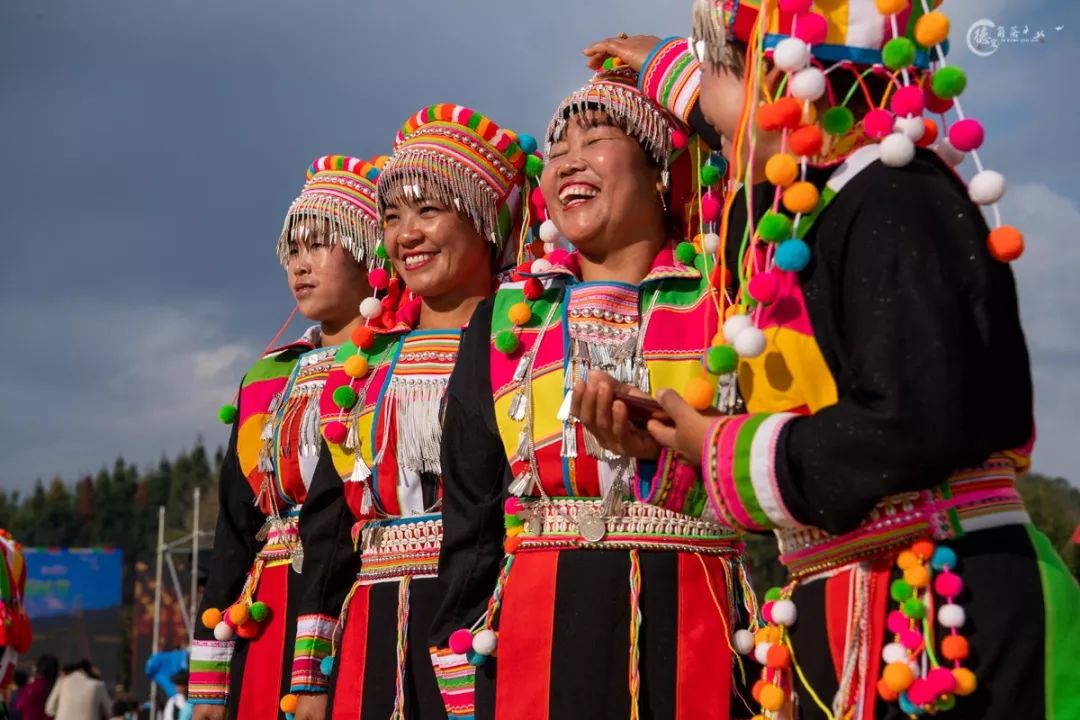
(151, 147)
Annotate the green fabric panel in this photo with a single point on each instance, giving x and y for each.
(1061, 603)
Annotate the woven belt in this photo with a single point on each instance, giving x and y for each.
(976, 499)
(401, 547)
(577, 524)
(283, 537)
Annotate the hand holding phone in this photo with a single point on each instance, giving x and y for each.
(640, 409)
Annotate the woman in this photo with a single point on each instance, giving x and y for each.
(885, 376)
(79, 694)
(448, 196)
(31, 701)
(242, 652)
(616, 597)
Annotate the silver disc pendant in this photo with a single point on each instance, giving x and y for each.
(591, 526)
(264, 532)
(298, 562)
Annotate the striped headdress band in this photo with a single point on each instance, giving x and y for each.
(340, 190)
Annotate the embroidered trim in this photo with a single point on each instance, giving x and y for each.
(209, 670)
(457, 682)
(671, 77)
(314, 640)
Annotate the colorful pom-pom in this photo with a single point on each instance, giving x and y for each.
(896, 622)
(893, 653)
(811, 28)
(475, 659)
(878, 124)
(764, 287)
(781, 170)
(929, 134)
(917, 576)
(259, 611)
(519, 313)
(897, 150)
(967, 134)
(801, 198)
(778, 657)
(698, 393)
(461, 641)
(923, 549)
(326, 666)
(965, 681)
(288, 703)
(898, 676)
(908, 101)
(227, 414)
(948, 584)
(356, 366)
(711, 207)
(955, 648)
(750, 343)
(223, 632)
(735, 325)
(899, 53)
(791, 55)
(534, 166)
(932, 29)
(891, 7)
(527, 143)
(679, 140)
(371, 308)
(335, 432)
(1006, 243)
(210, 618)
(363, 337)
(549, 232)
(949, 154)
(685, 253)
(806, 141)
(784, 613)
(899, 589)
(533, 289)
(885, 692)
(380, 252)
(913, 128)
(787, 113)
(808, 84)
(709, 175)
(987, 187)
(710, 243)
(344, 397)
(944, 558)
(506, 342)
(951, 615)
(484, 642)
(238, 614)
(743, 640)
(774, 227)
(772, 697)
(838, 120)
(540, 266)
(948, 82)
(247, 630)
(792, 255)
(913, 608)
(721, 360)
(378, 278)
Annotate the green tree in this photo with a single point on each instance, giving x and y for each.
(1054, 507)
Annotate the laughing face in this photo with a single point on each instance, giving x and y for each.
(599, 184)
(434, 249)
(325, 279)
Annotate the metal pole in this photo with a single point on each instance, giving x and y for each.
(184, 617)
(193, 566)
(155, 641)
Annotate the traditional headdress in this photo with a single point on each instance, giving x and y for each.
(465, 161)
(340, 190)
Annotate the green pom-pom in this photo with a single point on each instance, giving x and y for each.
(721, 360)
(259, 611)
(710, 175)
(774, 227)
(326, 667)
(506, 342)
(898, 53)
(685, 253)
(948, 82)
(837, 120)
(913, 608)
(227, 414)
(719, 162)
(900, 591)
(344, 397)
(946, 703)
(773, 593)
(380, 251)
(512, 521)
(534, 166)
(609, 64)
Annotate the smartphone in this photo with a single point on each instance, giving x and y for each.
(641, 410)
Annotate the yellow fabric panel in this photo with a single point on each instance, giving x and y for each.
(790, 374)
(248, 444)
(548, 395)
(836, 17)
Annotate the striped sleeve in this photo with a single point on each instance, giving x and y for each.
(457, 683)
(314, 642)
(739, 467)
(671, 77)
(209, 672)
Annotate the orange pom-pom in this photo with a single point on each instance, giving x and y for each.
(519, 313)
(356, 366)
(288, 704)
(788, 113)
(965, 681)
(806, 141)
(363, 337)
(917, 576)
(955, 647)
(782, 169)
(1006, 243)
(778, 657)
(930, 133)
(924, 549)
(211, 617)
(755, 692)
(932, 29)
(248, 630)
(898, 676)
(238, 614)
(768, 118)
(768, 634)
(887, 693)
(802, 197)
(891, 7)
(772, 697)
(699, 393)
(906, 559)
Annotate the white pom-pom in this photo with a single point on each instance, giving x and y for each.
(539, 266)
(784, 613)
(749, 343)
(951, 616)
(371, 308)
(987, 187)
(484, 642)
(949, 154)
(223, 632)
(897, 150)
(743, 640)
(549, 247)
(912, 127)
(735, 325)
(894, 653)
(761, 652)
(710, 243)
(808, 84)
(791, 55)
(549, 233)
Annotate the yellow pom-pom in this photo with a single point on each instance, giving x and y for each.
(802, 197)
(356, 366)
(772, 697)
(965, 681)
(891, 7)
(519, 313)
(288, 704)
(238, 614)
(515, 531)
(917, 576)
(211, 617)
(699, 393)
(898, 676)
(768, 634)
(782, 170)
(718, 340)
(906, 559)
(932, 29)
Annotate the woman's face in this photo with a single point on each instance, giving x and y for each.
(326, 281)
(599, 184)
(435, 249)
(721, 99)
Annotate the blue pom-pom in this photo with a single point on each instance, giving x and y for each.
(944, 557)
(719, 162)
(792, 255)
(475, 659)
(909, 707)
(528, 144)
(326, 667)
(290, 716)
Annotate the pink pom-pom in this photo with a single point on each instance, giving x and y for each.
(966, 135)
(558, 256)
(911, 639)
(538, 199)
(920, 692)
(948, 585)
(795, 7)
(878, 124)
(461, 641)
(941, 681)
(378, 278)
(710, 208)
(896, 622)
(512, 506)
(766, 612)
(679, 140)
(811, 28)
(908, 101)
(764, 287)
(336, 432)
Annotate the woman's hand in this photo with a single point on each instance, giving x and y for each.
(595, 406)
(631, 50)
(686, 435)
(310, 707)
(209, 712)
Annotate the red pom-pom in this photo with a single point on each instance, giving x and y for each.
(1006, 243)
(248, 630)
(558, 256)
(538, 200)
(363, 337)
(811, 28)
(966, 135)
(908, 101)
(679, 140)
(378, 278)
(461, 641)
(512, 506)
(764, 287)
(806, 141)
(718, 279)
(788, 113)
(710, 207)
(930, 133)
(336, 432)
(766, 611)
(534, 289)
(934, 104)
(878, 124)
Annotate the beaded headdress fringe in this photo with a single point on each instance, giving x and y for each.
(708, 34)
(349, 227)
